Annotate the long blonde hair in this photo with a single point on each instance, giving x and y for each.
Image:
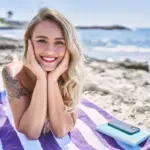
(72, 85)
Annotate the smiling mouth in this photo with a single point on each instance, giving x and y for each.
(49, 59)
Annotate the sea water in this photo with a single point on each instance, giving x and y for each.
(133, 44)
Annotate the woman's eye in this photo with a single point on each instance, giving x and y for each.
(60, 43)
(41, 41)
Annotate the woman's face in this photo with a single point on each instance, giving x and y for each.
(49, 44)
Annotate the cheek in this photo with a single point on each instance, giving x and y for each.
(60, 51)
(39, 47)
(37, 50)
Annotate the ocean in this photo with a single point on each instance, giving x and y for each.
(108, 44)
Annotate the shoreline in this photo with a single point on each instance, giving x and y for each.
(119, 87)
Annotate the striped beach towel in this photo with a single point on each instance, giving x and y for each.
(82, 137)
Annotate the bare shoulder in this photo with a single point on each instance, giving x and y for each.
(11, 81)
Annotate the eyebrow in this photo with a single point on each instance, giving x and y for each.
(44, 37)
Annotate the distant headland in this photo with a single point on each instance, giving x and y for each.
(111, 27)
(13, 24)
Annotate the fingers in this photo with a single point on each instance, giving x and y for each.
(30, 53)
(67, 55)
(66, 60)
(30, 58)
(64, 64)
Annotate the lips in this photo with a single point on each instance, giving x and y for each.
(48, 59)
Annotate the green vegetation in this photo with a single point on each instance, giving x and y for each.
(2, 20)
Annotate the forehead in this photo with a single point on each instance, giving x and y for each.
(47, 28)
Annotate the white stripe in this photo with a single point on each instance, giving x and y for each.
(1, 83)
(89, 136)
(96, 117)
(71, 146)
(1, 145)
(26, 143)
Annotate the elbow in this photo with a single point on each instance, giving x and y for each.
(61, 132)
(30, 134)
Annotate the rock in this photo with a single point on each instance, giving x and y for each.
(135, 65)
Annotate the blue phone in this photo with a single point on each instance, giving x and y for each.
(124, 127)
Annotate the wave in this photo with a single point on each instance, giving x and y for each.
(105, 42)
(14, 34)
(119, 53)
(121, 48)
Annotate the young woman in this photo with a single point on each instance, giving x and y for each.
(45, 88)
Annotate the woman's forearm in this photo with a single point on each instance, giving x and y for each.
(32, 121)
(60, 123)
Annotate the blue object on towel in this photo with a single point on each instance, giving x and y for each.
(63, 142)
(2, 96)
(123, 139)
(127, 146)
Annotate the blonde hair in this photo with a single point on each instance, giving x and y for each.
(72, 84)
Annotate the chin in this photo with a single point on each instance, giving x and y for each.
(48, 69)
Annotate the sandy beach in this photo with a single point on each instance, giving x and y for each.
(120, 88)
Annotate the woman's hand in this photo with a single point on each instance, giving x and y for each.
(31, 63)
(61, 68)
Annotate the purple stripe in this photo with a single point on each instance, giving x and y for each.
(9, 138)
(100, 110)
(146, 144)
(103, 138)
(79, 141)
(48, 142)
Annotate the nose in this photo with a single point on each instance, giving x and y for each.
(50, 49)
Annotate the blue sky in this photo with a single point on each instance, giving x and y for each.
(131, 13)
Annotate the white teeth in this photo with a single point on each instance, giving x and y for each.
(48, 59)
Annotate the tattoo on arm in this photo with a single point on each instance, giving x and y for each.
(12, 86)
